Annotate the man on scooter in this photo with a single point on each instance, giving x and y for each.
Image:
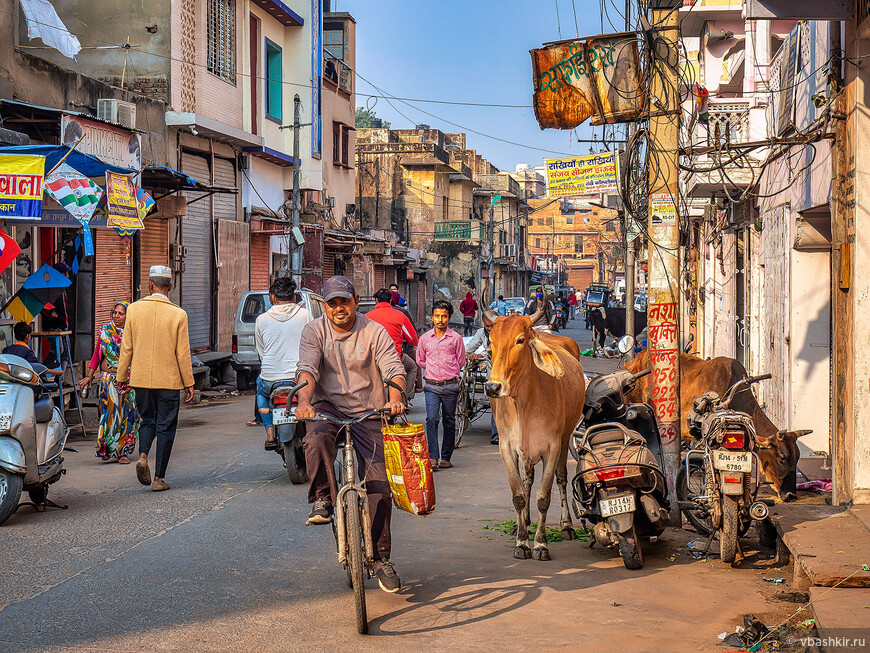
(344, 356)
(276, 334)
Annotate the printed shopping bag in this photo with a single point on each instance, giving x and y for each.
(408, 469)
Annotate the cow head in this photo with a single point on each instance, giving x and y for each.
(779, 457)
(515, 348)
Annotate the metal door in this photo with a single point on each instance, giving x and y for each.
(196, 235)
(777, 305)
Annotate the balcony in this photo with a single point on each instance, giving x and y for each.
(337, 72)
(453, 230)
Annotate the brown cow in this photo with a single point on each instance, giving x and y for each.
(777, 450)
(536, 389)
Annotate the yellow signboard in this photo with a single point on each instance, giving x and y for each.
(589, 174)
(121, 206)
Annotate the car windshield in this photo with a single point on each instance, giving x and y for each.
(514, 302)
(594, 297)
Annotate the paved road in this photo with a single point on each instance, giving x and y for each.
(223, 562)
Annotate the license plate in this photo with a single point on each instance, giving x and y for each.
(617, 505)
(283, 416)
(732, 461)
(5, 422)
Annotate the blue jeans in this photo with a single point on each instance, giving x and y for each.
(492, 426)
(264, 391)
(441, 404)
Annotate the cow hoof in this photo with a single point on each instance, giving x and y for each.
(569, 533)
(541, 553)
(522, 552)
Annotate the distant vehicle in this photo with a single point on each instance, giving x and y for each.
(640, 301)
(596, 295)
(246, 360)
(515, 305)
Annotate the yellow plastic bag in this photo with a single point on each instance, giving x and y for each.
(408, 468)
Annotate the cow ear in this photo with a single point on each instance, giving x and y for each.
(763, 442)
(546, 359)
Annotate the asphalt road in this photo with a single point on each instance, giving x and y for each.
(224, 562)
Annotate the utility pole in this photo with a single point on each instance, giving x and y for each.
(296, 250)
(664, 229)
(628, 241)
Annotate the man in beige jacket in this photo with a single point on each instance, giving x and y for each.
(155, 361)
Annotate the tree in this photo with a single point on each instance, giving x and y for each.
(364, 118)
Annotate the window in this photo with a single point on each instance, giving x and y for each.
(222, 39)
(341, 145)
(549, 222)
(569, 220)
(333, 42)
(254, 306)
(538, 243)
(345, 147)
(610, 226)
(578, 245)
(336, 142)
(274, 87)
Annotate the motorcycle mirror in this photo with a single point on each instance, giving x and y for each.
(625, 344)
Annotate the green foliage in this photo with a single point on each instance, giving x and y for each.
(553, 534)
(364, 118)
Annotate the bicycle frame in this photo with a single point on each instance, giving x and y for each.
(350, 485)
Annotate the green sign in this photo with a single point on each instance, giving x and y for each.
(496, 199)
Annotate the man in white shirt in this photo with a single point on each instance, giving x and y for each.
(277, 333)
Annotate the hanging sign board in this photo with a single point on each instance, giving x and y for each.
(589, 174)
(21, 179)
(598, 78)
(121, 205)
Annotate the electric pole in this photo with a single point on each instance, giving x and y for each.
(664, 241)
(628, 241)
(296, 250)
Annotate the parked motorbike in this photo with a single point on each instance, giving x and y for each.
(619, 485)
(32, 436)
(288, 432)
(715, 485)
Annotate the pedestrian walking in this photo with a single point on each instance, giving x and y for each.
(499, 306)
(119, 417)
(572, 302)
(536, 304)
(441, 354)
(276, 335)
(155, 362)
(468, 308)
(403, 333)
(345, 359)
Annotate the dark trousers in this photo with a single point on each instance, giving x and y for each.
(469, 326)
(158, 412)
(441, 405)
(368, 441)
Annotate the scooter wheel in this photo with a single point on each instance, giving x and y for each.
(10, 493)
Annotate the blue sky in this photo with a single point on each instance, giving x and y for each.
(469, 51)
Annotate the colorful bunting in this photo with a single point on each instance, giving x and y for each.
(78, 195)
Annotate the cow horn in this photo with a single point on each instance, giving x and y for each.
(484, 307)
(802, 432)
(537, 315)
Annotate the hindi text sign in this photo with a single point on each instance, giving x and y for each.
(21, 179)
(589, 174)
(121, 205)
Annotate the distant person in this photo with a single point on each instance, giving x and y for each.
(155, 361)
(399, 326)
(536, 304)
(572, 303)
(499, 306)
(468, 307)
(21, 347)
(401, 300)
(441, 354)
(477, 349)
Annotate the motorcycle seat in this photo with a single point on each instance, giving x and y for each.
(603, 437)
(43, 409)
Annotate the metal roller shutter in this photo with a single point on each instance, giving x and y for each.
(379, 279)
(153, 250)
(113, 278)
(260, 254)
(328, 264)
(225, 176)
(196, 235)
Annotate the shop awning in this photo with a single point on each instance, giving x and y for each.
(88, 165)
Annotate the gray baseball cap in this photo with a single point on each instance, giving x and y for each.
(338, 286)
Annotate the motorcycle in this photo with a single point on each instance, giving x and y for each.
(288, 432)
(619, 485)
(714, 485)
(32, 436)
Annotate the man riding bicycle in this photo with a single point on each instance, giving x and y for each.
(346, 358)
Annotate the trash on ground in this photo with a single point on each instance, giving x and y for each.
(780, 579)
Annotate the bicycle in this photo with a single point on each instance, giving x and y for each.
(353, 538)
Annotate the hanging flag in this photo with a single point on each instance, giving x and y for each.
(41, 288)
(494, 200)
(78, 195)
(21, 179)
(9, 250)
(121, 206)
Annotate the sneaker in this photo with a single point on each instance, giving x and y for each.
(321, 513)
(387, 577)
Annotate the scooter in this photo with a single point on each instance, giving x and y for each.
(288, 432)
(32, 436)
(619, 486)
(715, 486)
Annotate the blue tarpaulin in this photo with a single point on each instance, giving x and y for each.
(88, 165)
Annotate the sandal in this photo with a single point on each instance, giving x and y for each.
(270, 445)
(123, 460)
(253, 422)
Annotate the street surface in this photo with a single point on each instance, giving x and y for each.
(224, 562)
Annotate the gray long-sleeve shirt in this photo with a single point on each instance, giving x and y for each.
(349, 368)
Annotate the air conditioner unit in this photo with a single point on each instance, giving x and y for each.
(510, 250)
(118, 111)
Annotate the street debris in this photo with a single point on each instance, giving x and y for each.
(748, 635)
(780, 579)
(615, 604)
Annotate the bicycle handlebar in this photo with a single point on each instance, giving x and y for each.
(320, 417)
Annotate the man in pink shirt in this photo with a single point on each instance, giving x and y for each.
(441, 354)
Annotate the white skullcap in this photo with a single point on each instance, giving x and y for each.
(160, 272)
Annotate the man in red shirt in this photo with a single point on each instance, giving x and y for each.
(400, 329)
(468, 308)
(572, 302)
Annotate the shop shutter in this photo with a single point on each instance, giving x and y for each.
(233, 276)
(421, 302)
(380, 275)
(328, 264)
(196, 236)
(777, 308)
(225, 177)
(580, 278)
(113, 278)
(153, 249)
(260, 255)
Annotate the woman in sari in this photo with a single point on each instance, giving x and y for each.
(119, 419)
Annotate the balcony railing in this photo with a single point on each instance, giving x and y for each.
(729, 122)
(338, 72)
(453, 230)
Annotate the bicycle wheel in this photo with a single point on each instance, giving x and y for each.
(462, 410)
(356, 558)
(688, 489)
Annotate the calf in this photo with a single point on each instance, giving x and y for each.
(777, 450)
(536, 390)
(612, 321)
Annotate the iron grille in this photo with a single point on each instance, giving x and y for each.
(222, 39)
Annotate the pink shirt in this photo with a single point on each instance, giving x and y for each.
(441, 359)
